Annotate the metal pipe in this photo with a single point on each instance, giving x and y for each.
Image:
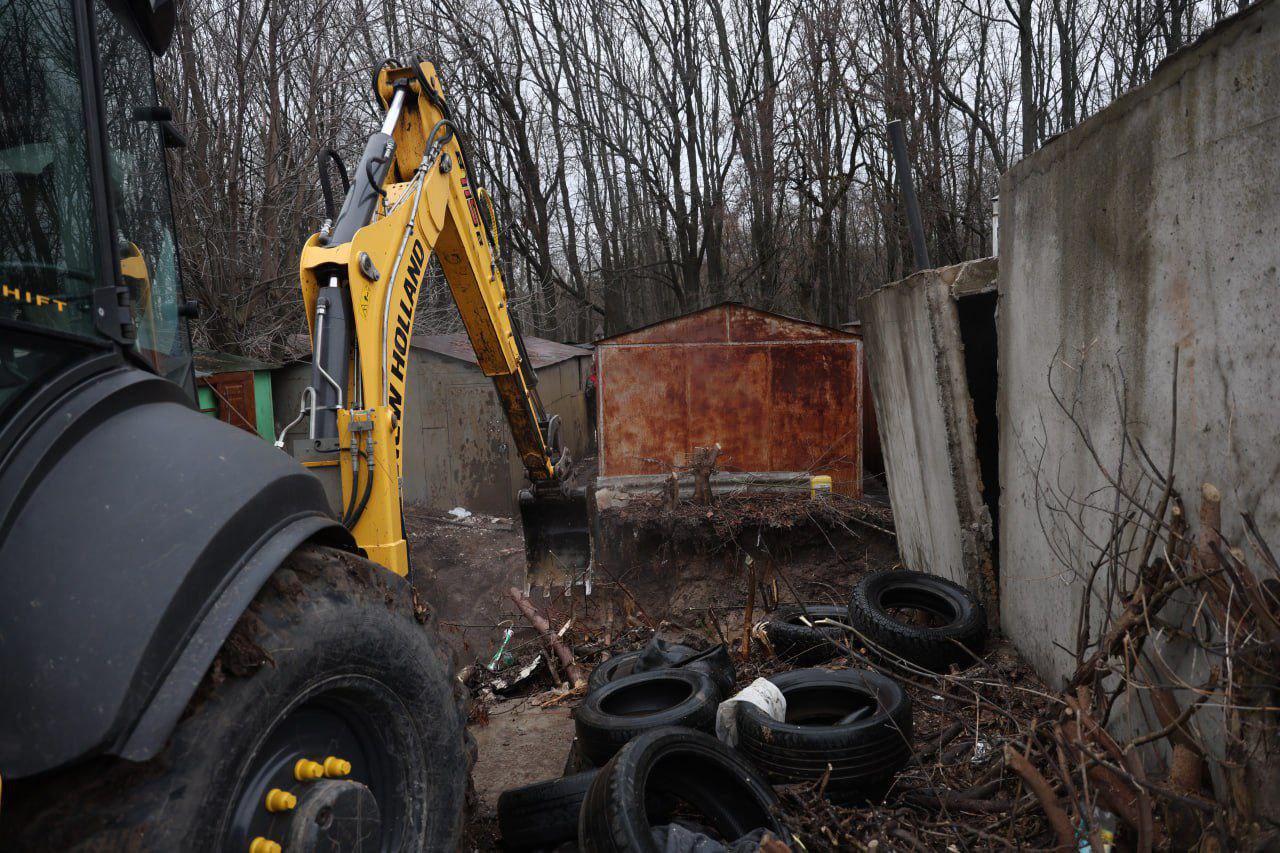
(303, 411)
(330, 361)
(393, 112)
(898, 140)
(366, 187)
(316, 354)
(409, 226)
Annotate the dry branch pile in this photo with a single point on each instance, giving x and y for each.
(1005, 763)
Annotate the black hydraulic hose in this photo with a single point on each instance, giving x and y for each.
(355, 486)
(374, 183)
(323, 159)
(469, 163)
(364, 499)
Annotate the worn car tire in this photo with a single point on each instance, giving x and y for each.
(329, 630)
(683, 766)
(608, 719)
(960, 636)
(624, 664)
(863, 754)
(795, 641)
(717, 665)
(544, 814)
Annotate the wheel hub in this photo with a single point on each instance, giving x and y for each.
(335, 815)
(326, 777)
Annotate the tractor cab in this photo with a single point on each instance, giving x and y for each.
(88, 255)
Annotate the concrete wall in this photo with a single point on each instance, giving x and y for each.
(456, 444)
(915, 358)
(1153, 225)
(464, 454)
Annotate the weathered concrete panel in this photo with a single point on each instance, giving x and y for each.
(915, 358)
(1153, 225)
(457, 447)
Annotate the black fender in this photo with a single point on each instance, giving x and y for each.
(134, 531)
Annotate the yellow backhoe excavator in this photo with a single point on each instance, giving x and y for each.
(416, 192)
(195, 654)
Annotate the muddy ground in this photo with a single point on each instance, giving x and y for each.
(683, 577)
(464, 569)
(686, 575)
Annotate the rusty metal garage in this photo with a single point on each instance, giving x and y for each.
(777, 394)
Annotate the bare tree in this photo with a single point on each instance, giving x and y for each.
(644, 158)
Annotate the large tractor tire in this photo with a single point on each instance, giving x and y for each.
(334, 659)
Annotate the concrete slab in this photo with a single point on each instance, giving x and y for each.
(916, 363)
(1152, 225)
(1152, 228)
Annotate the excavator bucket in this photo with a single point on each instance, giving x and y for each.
(557, 537)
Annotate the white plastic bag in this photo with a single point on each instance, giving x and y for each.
(763, 694)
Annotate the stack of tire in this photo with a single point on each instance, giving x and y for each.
(853, 728)
(647, 718)
(664, 684)
(953, 631)
(644, 729)
(627, 805)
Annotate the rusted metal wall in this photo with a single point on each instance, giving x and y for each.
(777, 394)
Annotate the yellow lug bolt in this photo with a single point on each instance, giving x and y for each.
(280, 801)
(336, 767)
(264, 845)
(305, 770)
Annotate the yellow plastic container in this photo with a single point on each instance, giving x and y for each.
(819, 486)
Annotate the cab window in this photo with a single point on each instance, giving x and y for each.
(47, 251)
(47, 244)
(139, 186)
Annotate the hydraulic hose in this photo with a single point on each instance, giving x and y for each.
(364, 499)
(323, 159)
(374, 182)
(355, 488)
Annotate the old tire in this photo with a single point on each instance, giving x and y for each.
(716, 662)
(795, 641)
(544, 814)
(958, 632)
(575, 761)
(682, 766)
(329, 659)
(864, 755)
(609, 718)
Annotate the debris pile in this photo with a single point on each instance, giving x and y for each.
(1002, 758)
(1179, 656)
(998, 759)
(733, 513)
(844, 729)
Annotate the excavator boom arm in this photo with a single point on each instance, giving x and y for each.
(415, 192)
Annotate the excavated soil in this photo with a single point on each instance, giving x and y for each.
(683, 575)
